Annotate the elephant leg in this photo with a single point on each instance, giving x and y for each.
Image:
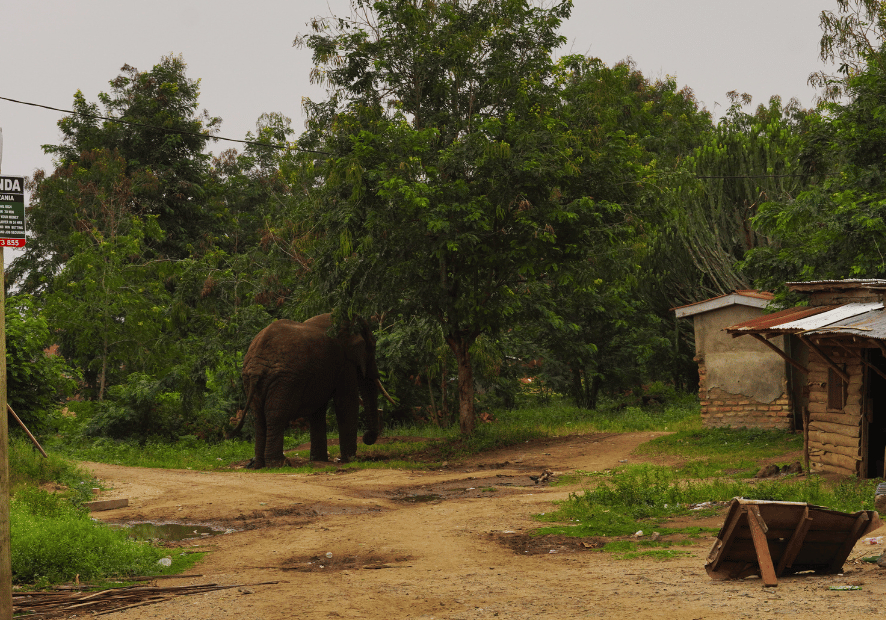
(346, 408)
(258, 420)
(277, 409)
(318, 434)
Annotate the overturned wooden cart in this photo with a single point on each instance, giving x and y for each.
(771, 539)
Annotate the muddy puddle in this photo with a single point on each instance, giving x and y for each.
(168, 532)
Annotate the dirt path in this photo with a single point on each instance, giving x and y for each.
(443, 544)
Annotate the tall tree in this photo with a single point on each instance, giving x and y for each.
(160, 135)
(444, 184)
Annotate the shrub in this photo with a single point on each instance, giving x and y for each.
(53, 541)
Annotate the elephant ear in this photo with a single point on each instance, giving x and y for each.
(355, 350)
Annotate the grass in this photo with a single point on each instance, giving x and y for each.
(53, 538)
(431, 446)
(645, 497)
(54, 541)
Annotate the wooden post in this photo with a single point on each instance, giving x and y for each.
(5, 547)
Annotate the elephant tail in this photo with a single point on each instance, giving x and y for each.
(241, 415)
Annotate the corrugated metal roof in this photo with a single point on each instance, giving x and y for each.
(772, 322)
(858, 319)
(830, 317)
(848, 283)
(871, 324)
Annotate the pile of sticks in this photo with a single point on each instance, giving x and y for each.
(55, 604)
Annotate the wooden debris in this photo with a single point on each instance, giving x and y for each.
(55, 604)
(107, 504)
(771, 539)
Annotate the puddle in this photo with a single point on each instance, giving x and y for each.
(420, 499)
(168, 531)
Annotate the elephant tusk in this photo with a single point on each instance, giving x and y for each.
(385, 392)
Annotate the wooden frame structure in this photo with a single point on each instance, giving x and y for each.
(771, 539)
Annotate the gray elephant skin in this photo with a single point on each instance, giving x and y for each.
(294, 369)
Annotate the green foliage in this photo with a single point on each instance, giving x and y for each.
(36, 380)
(29, 468)
(636, 497)
(53, 541)
(187, 452)
(444, 192)
(742, 443)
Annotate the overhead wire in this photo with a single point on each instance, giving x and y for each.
(159, 128)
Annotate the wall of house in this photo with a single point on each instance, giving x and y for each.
(741, 382)
(835, 435)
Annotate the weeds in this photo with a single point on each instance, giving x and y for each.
(53, 541)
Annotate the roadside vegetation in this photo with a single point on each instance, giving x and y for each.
(54, 540)
(719, 465)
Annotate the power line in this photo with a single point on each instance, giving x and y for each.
(157, 127)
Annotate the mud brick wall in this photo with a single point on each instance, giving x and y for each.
(720, 408)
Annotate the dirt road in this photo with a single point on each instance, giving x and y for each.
(443, 544)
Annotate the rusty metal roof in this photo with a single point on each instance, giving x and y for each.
(772, 322)
(856, 319)
(824, 285)
(871, 324)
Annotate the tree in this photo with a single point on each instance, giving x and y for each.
(443, 188)
(836, 227)
(159, 136)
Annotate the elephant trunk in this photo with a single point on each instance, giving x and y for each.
(370, 413)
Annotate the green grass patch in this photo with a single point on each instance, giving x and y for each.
(432, 445)
(644, 496)
(53, 541)
(27, 467)
(732, 444)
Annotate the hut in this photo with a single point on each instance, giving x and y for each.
(843, 400)
(742, 382)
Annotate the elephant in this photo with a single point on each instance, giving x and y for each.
(293, 369)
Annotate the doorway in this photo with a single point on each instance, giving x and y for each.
(876, 420)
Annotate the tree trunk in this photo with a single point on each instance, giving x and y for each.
(461, 346)
(435, 414)
(578, 392)
(102, 377)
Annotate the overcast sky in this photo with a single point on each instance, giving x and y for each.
(243, 54)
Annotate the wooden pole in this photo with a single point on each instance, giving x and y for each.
(25, 428)
(5, 547)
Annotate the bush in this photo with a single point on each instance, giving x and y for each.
(142, 407)
(53, 541)
(36, 382)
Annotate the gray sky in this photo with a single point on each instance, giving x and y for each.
(244, 57)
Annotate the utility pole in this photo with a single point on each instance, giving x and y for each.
(5, 545)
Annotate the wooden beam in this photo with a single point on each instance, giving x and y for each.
(761, 546)
(851, 538)
(794, 544)
(821, 354)
(781, 354)
(861, 358)
(726, 541)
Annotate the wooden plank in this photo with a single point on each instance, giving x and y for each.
(727, 538)
(835, 418)
(781, 354)
(824, 357)
(832, 439)
(794, 544)
(838, 460)
(852, 451)
(837, 429)
(853, 536)
(106, 504)
(761, 546)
